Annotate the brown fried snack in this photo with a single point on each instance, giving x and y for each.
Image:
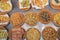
(16, 19)
(30, 18)
(33, 34)
(45, 16)
(56, 18)
(49, 33)
(55, 4)
(16, 33)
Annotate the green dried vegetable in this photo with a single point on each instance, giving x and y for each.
(45, 16)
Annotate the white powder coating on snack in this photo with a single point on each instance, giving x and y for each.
(5, 22)
(21, 5)
(9, 2)
(35, 6)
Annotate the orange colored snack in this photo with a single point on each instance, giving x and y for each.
(16, 19)
(49, 33)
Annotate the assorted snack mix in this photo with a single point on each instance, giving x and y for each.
(29, 25)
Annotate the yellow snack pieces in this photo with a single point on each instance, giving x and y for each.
(3, 19)
(5, 6)
(3, 34)
(57, 18)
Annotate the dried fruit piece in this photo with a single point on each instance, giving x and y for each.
(49, 33)
(45, 16)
